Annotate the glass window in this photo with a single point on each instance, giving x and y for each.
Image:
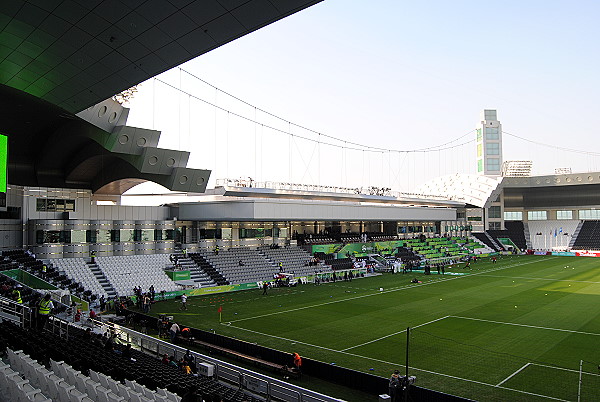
(126, 235)
(78, 236)
(40, 204)
(480, 165)
(103, 236)
(70, 205)
(283, 233)
(491, 133)
(147, 234)
(589, 214)
(537, 215)
(490, 114)
(513, 215)
(492, 148)
(564, 214)
(493, 164)
(60, 205)
(52, 236)
(54, 205)
(227, 233)
(494, 212)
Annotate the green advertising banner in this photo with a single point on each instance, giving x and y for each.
(325, 248)
(178, 275)
(362, 249)
(27, 279)
(208, 290)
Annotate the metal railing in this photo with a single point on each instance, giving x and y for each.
(15, 312)
(269, 388)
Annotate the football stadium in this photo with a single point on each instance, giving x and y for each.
(476, 281)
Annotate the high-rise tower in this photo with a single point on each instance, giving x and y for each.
(489, 144)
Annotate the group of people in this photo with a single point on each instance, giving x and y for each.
(187, 363)
(172, 330)
(145, 300)
(42, 306)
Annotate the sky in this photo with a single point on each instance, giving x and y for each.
(394, 75)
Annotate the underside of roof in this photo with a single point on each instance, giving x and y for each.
(76, 53)
(62, 60)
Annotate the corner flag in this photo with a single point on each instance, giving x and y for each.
(220, 310)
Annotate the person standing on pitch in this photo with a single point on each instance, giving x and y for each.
(183, 302)
(265, 287)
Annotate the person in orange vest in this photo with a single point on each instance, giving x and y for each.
(297, 361)
(185, 333)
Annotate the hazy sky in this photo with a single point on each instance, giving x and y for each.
(396, 75)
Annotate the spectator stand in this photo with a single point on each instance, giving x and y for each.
(265, 386)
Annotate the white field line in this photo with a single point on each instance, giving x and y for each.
(401, 365)
(539, 279)
(526, 326)
(564, 369)
(395, 333)
(384, 292)
(512, 375)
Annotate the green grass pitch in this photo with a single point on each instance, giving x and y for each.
(514, 330)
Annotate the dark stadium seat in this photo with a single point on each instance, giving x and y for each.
(515, 231)
(79, 352)
(589, 236)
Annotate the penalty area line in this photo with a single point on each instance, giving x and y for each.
(526, 326)
(513, 374)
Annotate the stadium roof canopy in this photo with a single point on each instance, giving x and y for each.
(552, 191)
(468, 188)
(60, 57)
(563, 190)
